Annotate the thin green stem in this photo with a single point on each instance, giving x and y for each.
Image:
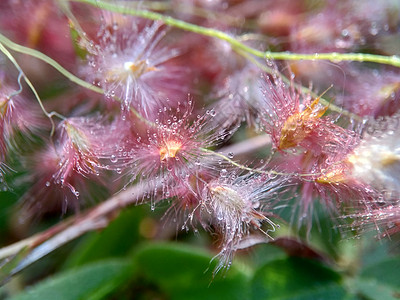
(29, 83)
(34, 53)
(259, 171)
(331, 106)
(183, 7)
(333, 56)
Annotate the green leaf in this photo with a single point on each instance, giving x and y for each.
(373, 290)
(296, 278)
(184, 272)
(89, 282)
(384, 272)
(380, 280)
(114, 241)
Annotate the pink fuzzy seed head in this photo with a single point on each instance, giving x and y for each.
(134, 66)
(324, 170)
(15, 117)
(373, 163)
(79, 148)
(63, 169)
(172, 149)
(238, 206)
(280, 103)
(74, 151)
(293, 123)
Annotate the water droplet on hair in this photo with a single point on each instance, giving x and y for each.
(373, 29)
(224, 173)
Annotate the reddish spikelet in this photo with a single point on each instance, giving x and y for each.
(14, 117)
(278, 18)
(292, 123)
(375, 161)
(132, 66)
(236, 207)
(76, 150)
(65, 165)
(171, 150)
(328, 36)
(321, 176)
(368, 175)
(280, 104)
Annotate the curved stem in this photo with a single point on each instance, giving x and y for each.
(96, 218)
(259, 171)
(303, 89)
(29, 83)
(333, 56)
(39, 55)
(34, 53)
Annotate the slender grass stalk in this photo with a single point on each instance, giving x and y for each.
(236, 44)
(39, 55)
(34, 53)
(29, 83)
(259, 171)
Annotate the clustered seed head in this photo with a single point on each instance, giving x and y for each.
(169, 142)
(236, 205)
(129, 62)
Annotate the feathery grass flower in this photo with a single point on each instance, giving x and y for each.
(133, 65)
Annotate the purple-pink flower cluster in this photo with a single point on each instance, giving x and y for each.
(171, 101)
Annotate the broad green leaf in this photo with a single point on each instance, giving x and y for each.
(114, 241)
(296, 278)
(373, 290)
(183, 272)
(89, 282)
(385, 271)
(380, 280)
